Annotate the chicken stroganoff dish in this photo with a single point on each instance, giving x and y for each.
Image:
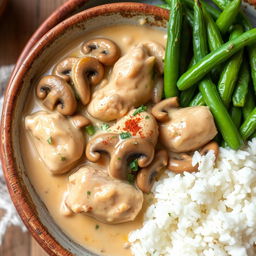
(124, 170)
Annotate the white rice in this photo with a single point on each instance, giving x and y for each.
(211, 212)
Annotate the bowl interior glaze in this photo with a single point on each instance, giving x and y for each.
(31, 209)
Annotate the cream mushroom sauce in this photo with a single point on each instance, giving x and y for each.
(96, 185)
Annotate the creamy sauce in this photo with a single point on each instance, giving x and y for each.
(98, 237)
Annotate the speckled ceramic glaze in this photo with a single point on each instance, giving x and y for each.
(31, 209)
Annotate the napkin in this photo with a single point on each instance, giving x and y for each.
(8, 214)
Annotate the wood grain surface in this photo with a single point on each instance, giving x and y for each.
(19, 21)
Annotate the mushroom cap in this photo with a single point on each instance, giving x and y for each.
(86, 71)
(105, 50)
(161, 110)
(180, 163)
(55, 91)
(128, 149)
(64, 67)
(146, 176)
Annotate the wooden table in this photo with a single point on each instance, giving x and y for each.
(19, 21)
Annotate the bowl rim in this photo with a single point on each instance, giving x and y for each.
(17, 190)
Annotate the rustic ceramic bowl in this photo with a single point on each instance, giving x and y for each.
(28, 204)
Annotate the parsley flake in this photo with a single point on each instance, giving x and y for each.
(105, 127)
(90, 130)
(147, 117)
(140, 109)
(134, 165)
(49, 140)
(125, 135)
(169, 214)
(63, 158)
(97, 226)
(130, 178)
(88, 193)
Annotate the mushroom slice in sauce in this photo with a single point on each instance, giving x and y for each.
(133, 136)
(146, 176)
(105, 50)
(58, 140)
(56, 92)
(130, 85)
(94, 193)
(64, 67)
(86, 71)
(182, 162)
(184, 129)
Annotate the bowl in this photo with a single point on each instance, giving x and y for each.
(29, 206)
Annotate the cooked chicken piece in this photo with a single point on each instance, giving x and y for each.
(131, 83)
(142, 125)
(57, 139)
(187, 129)
(96, 194)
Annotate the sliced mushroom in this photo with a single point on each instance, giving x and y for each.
(160, 110)
(63, 68)
(126, 150)
(120, 151)
(86, 71)
(105, 50)
(184, 162)
(146, 176)
(80, 121)
(55, 91)
(105, 142)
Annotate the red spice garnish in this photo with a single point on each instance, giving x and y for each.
(132, 125)
(105, 142)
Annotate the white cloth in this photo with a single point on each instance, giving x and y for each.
(10, 216)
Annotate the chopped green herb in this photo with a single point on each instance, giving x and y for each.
(63, 158)
(97, 226)
(140, 109)
(169, 214)
(125, 135)
(130, 178)
(90, 130)
(119, 158)
(49, 140)
(105, 126)
(134, 165)
(88, 193)
(147, 117)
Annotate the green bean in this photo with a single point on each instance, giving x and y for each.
(210, 9)
(214, 40)
(214, 37)
(224, 122)
(201, 68)
(165, 6)
(241, 90)
(209, 91)
(249, 104)
(236, 115)
(185, 46)
(228, 16)
(230, 71)
(189, 15)
(197, 100)
(252, 48)
(249, 125)
(172, 53)
(199, 32)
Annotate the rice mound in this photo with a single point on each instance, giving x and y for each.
(211, 212)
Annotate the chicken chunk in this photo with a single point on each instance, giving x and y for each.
(142, 125)
(94, 193)
(188, 129)
(131, 83)
(58, 141)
